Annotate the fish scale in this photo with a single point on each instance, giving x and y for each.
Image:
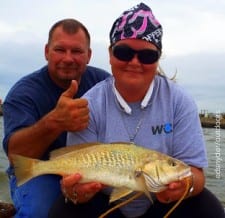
(108, 158)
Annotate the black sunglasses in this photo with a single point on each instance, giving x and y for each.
(126, 53)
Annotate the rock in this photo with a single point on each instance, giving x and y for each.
(7, 210)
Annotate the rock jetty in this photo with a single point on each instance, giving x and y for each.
(212, 122)
(7, 210)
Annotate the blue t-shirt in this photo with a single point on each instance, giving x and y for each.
(169, 124)
(35, 95)
(29, 100)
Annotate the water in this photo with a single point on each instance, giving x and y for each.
(4, 190)
(215, 173)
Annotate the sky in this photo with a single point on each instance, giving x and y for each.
(193, 40)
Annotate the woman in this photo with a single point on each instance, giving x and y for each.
(140, 106)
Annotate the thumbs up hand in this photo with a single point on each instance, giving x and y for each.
(72, 90)
(71, 114)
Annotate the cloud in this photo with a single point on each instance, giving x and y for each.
(17, 60)
(204, 68)
(193, 41)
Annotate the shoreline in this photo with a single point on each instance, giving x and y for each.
(1, 110)
(212, 122)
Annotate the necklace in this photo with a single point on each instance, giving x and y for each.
(127, 111)
(129, 123)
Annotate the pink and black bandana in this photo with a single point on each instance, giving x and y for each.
(137, 23)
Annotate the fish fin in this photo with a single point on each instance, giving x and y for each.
(148, 194)
(118, 193)
(67, 149)
(23, 168)
(125, 143)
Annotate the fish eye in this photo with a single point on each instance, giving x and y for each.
(172, 163)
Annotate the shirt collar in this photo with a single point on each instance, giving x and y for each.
(125, 105)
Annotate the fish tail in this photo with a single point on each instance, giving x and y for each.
(23, 168)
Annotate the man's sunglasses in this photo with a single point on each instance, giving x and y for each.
(126, 53)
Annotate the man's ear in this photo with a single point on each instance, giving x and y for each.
(46, 51)
(89, 55)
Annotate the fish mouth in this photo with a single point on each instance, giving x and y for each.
(185, 174)
(157, 186)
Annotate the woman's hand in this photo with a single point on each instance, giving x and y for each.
(79, 192)
(176, 190)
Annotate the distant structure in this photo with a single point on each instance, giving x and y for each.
(204, 113)
(211, 120)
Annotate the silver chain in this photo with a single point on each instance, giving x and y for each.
(138, 127)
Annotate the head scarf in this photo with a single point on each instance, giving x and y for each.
(137, 23)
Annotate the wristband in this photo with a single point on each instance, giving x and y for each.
(191, 189)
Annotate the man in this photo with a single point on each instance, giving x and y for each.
(40, 108)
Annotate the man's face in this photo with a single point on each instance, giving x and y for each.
(67, 56)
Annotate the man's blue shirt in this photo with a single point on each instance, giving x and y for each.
(34, 96)
(28, 101)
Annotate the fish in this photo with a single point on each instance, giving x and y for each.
(126, 167)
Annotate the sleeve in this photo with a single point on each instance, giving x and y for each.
(188, 140)
(19, 112)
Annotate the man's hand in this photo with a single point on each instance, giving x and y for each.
(68, 115)
(79, 192)
(71, 114)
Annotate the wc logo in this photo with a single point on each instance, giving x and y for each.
(164, 128)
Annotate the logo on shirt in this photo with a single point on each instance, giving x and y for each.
(164, 128)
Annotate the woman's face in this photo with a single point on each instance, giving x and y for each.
(134, 75)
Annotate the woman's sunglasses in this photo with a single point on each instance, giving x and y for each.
(126, 53)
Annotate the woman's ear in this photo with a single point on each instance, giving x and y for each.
(110, 53)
